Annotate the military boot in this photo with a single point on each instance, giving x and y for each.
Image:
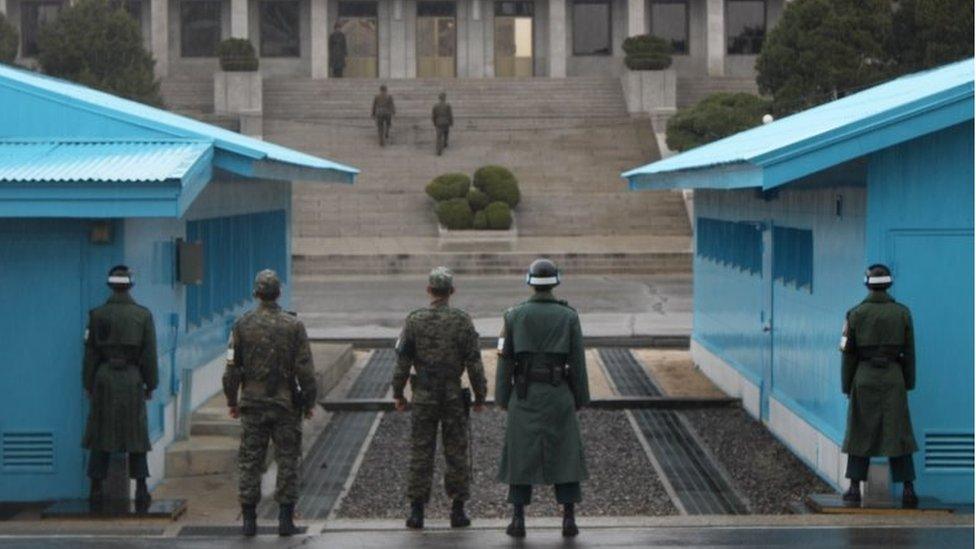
(143, 499)
(516, 528)
(286, 520)
(95, 495)
(570, 530)
(249, 515)
(908, 497)
(416, 519)
(853, 494)
(459, 519)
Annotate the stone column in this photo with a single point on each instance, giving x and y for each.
(557, 38)
(636, 18)
(3, 7)
(159, 35)
(398, 40)
(715, 45)
(238, 18)
(319, 27)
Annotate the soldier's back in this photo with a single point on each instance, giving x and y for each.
(877, 323)
(119, 323)
(438, 332)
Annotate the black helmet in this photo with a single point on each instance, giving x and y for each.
(542, 272)
(878, 277)
(119, 278)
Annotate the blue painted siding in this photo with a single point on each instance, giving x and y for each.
(806, 319)
(920, 222)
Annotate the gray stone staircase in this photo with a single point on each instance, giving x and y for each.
(693, 89)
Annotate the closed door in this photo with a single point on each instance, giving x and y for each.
(360, 24)
(513, 38)
(436, 40)
(42, 404)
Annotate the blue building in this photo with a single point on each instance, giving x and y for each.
(87, 181)
(787, 217)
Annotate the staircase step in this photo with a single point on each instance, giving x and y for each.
(222, 428)
(202, 455)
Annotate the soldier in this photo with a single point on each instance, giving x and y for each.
(269, 362)
(541, 381)
(440, 343)
(383, 111)
(119, 375)
(443, 119)
(878, 347)
(337, 51)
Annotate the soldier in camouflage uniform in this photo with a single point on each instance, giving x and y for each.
(443, 118)
(269, 363)
(119, 375)
(382, 113)
(440, 343)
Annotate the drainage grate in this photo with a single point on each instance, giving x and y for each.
(695, 479)
(330, 459)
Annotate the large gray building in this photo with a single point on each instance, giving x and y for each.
(438, 38)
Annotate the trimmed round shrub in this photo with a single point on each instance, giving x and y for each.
(647, 53)
(499, 184)
(499, 216)
(237, 55)
(448, 186)
(9, 40)
(455, 214)
(478, 199)
(480, 220)
(718, 115)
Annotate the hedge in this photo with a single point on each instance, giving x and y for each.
(237, 55)
(455, 214)
(448, 186)
(9, 40)
(499, 216)
(480, 221)
(647, 53)
(478, 199)
(498, 183)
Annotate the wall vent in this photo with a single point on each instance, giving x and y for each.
(953, 451)
(27, 452)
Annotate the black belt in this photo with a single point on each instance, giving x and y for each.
(879, 356)
(553, 376)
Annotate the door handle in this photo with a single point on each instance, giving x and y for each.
(767, 328)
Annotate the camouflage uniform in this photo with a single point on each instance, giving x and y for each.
(270, 363)
(440, 343)
(443, 118)
(383, 111)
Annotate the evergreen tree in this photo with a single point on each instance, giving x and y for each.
(929, 33)
(718, 115)
(98, 44)
(824, 49)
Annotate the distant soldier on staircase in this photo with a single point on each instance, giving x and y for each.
(383, 111)
(443, 119)
(337, 51)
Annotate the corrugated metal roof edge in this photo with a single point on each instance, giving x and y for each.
(856, 127)
(46, 86)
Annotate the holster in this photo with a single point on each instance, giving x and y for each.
(521, 380)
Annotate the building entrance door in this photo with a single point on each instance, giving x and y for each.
(436, 39)
(513, 38)
(359, 23)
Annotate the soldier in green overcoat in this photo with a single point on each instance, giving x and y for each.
(119, 375)
(878, 347)
(541, 381)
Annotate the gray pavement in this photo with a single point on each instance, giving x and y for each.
(942, 537)
(374, 307)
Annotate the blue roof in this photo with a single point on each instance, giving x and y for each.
(266, 159)
(816, 139)
(99, 161)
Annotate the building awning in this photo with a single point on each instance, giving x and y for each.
(810, 141)
(116, 178)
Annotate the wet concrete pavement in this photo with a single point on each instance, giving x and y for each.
(374, 307)
(927, 537)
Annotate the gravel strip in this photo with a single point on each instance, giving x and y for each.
(763, 470)
(622, 482)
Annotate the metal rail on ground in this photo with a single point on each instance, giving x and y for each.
(632, 342)
(332, 456)
(611, 403)
(694, 477)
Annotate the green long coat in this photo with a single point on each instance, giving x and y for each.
(878, 422)
(119, 369)
(542, 435)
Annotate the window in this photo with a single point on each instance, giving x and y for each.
(132, 7)
(200, 22)
(745, 26)
(33, 17)
(669, 20)
(591, 28)
(234, 249)
(436, 9)
(793, 257)
(518, 8)
(735, 245)
(279, 28)
(357, 9)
